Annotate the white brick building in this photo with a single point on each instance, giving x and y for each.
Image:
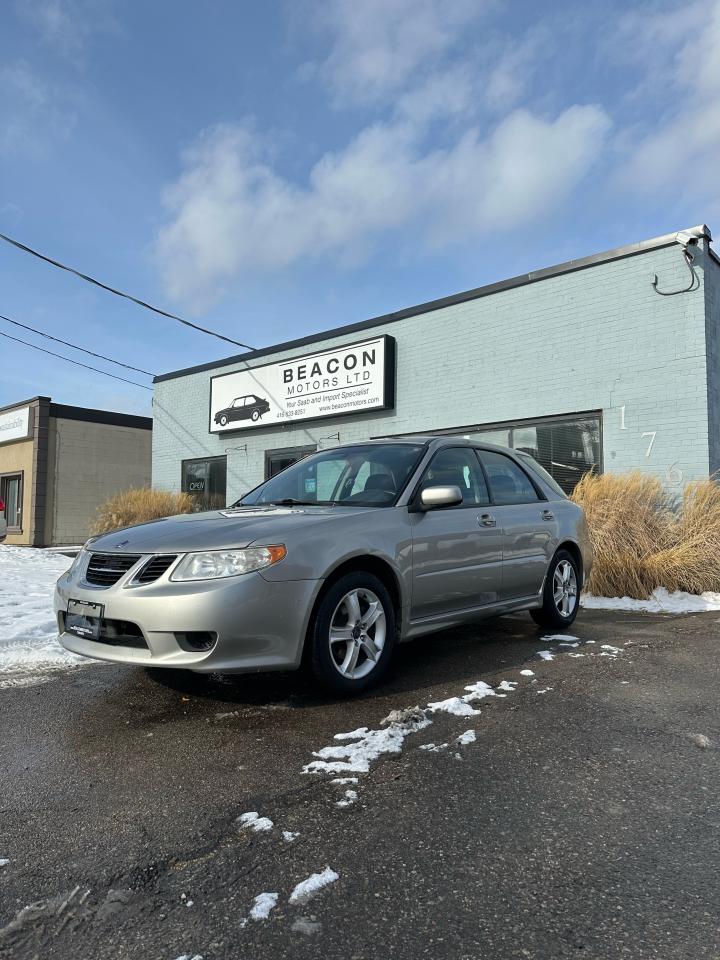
(585, 364)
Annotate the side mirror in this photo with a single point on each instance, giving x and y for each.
(433, 497)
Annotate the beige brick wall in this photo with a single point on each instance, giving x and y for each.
(87, 464)
(15, 457)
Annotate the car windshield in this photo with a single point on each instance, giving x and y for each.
(366, 475)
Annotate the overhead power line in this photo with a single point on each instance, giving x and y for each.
(76, 362)
(119, 293)
(74, 346)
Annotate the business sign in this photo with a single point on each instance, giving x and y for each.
(15, 425)
(351, 379)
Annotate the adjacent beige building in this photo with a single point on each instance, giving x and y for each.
(59, 463)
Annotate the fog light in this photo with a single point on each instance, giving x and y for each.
(196, 640)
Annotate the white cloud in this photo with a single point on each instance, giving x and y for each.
(378, 45)
(66, 26)
(510, 75)
(680, 151)
(30, 112)
(231, 212)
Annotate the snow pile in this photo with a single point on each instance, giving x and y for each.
(289, 836)
(264, 903)
(314, 883)
(29, 649)
(253, 821)
(468, 737)
(660, 601)
(348, 800)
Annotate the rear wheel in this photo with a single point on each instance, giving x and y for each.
(561, 594)
(353, 634)
(255, 416)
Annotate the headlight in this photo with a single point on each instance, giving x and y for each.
(226, 563)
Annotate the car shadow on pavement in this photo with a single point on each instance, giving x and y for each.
(460, 655)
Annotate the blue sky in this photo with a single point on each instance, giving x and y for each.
(272, 170)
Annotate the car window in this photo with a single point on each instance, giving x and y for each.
(458, 467)
(368, 475)
(508, 482)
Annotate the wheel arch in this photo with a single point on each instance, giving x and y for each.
(574, 550)
(365, 563)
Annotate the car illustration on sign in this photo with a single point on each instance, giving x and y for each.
(249, 407)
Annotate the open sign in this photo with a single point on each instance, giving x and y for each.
(196, 486)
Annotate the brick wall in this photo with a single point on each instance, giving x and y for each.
(597, 338)
(87, 464)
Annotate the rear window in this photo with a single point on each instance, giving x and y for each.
(541, 472)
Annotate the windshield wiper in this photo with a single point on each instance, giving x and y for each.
(290, 502)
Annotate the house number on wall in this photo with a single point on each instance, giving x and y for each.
(673, 474)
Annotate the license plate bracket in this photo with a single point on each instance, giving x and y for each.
(83, 618)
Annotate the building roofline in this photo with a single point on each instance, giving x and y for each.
(86, 414)
(569, 266)
(107, 417)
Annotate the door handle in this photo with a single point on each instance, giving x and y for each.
(548, 515)
(486, 520)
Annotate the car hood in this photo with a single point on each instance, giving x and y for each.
(220, 529)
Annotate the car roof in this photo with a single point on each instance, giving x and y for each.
(438, 440)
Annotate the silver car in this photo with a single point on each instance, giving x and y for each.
(332, 562)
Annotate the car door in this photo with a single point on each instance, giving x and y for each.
(528, 523)
(457, 551)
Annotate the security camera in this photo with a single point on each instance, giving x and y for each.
(688, 238)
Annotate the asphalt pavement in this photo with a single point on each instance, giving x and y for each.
(582, 820)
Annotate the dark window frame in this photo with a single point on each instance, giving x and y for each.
(285, 452)
(517, 424)
(217, 458)
(9, 474)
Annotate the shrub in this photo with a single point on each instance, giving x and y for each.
(642, 539)
(139, 506)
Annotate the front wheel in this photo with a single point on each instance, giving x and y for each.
(561, 593)
(223, 421)
(353, 634)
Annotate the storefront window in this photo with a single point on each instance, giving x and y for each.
(11, 492)
(567, 447)
(206, 482)
(277, 460)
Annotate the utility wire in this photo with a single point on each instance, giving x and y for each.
(119, 293)
(74, 346)
(76, 362)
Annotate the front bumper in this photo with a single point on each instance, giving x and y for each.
(260, 625)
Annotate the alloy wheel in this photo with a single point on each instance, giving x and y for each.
(357, 633)
(565, 588)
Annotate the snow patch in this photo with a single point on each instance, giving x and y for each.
(364, 745)
(527, 673)
(350, 798)
(307, 889)
(434, 747)
(254, 821)
(659, 601)
(29, 649)
(468, 737)
(546, 654)
(508, 685)
(457, 706)
(264, 903)
(4, 861)
(343, 780)
(561, 638)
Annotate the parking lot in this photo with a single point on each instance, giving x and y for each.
(574, 815)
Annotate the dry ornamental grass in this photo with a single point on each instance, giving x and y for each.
(139, 506)
(643, 539)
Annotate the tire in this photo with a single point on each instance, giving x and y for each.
(345, 665)
(561, 593)
(255, 416)
(223, 421)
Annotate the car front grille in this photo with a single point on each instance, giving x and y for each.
(154, 568)
(105, 569)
